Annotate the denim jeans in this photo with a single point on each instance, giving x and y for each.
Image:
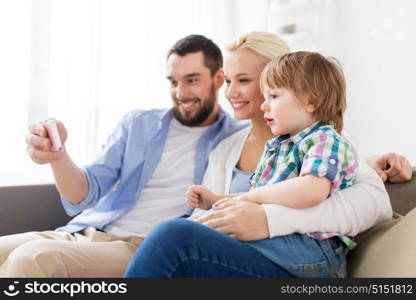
(304, 256)
(185, 248)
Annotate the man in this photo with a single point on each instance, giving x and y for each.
(138, 180)
(152, 156)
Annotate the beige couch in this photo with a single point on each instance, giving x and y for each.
(27, 208)
(389, 249)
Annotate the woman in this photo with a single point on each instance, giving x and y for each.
(184, 248)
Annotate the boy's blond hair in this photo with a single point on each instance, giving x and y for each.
(266, 45)
(310, 76)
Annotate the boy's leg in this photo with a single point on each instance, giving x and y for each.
(90, 254)
(304, 256)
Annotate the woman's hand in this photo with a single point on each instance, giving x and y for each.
(235, 197)
(391, 166)
(242, 220)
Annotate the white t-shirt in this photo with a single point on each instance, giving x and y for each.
(163, 197)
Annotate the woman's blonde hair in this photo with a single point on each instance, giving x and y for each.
(266, 45)
(310, 76)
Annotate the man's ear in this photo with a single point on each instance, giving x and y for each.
(219, 78)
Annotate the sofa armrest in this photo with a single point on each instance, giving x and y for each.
(387, 249)
(30, 208)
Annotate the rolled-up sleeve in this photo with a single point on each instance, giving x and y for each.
(105, 171)
(326, 155)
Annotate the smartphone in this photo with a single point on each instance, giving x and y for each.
(53, 134)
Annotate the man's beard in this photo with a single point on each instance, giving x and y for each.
(202, 115)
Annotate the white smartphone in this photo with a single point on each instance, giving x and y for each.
(53, 134)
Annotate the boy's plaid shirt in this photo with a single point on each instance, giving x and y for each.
(317, 150)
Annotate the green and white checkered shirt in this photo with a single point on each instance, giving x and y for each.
(317, 150)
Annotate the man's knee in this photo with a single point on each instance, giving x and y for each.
(32, 259)
(8, 243)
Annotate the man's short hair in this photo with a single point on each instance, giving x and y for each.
(194, 43)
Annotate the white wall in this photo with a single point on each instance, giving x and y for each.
(239, 17)
(376, 45)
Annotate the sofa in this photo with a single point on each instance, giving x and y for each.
(37, 207)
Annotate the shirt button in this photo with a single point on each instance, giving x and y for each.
(332, 161)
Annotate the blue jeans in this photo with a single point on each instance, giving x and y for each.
(304, 256)
(185, 248)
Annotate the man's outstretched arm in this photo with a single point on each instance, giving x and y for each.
(70, 180)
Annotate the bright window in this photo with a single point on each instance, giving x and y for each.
(87, 63)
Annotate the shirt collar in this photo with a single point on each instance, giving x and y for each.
(275, 142)
(222, 114)
(165, 118)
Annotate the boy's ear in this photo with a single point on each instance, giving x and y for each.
(310, 107)
(311, 104)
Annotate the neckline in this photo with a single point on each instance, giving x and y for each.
(240, 171)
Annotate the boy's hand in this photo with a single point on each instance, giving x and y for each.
(198, 196)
